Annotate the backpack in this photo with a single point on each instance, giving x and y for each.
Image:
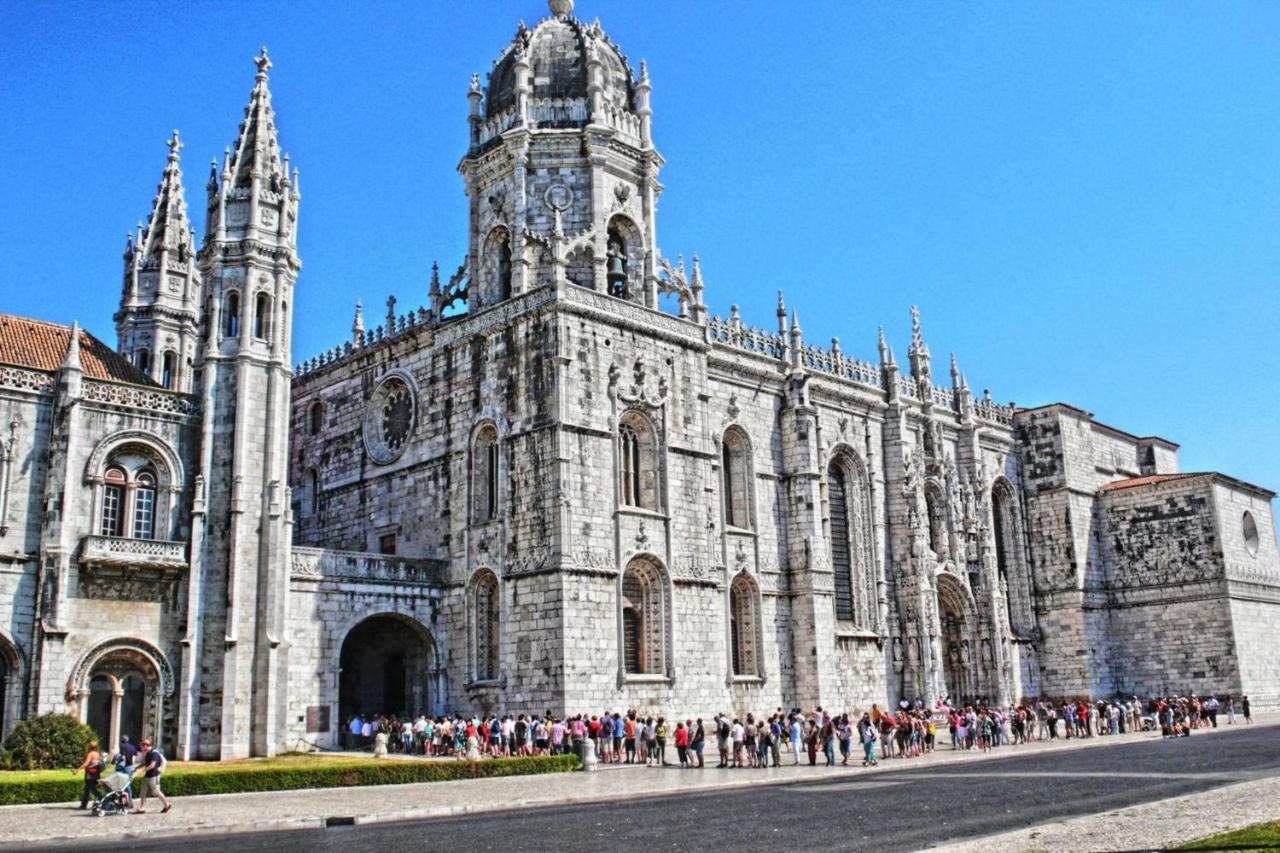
(161, 761)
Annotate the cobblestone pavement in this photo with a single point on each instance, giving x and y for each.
(856, 789)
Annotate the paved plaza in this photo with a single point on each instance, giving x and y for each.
(1096, 794)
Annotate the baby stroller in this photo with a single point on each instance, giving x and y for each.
(114, 792)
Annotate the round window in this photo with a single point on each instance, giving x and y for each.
(389, 418)
(1250, 534)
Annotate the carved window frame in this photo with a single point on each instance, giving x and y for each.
(644, 620)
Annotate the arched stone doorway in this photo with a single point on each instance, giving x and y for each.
(956, 615)
(386, 666)
(121, 688)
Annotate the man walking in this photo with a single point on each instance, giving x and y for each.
(152, 766)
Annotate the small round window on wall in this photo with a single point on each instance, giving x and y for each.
(389, 418)
(1250, 534)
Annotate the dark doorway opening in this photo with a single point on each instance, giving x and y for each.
(386, 666)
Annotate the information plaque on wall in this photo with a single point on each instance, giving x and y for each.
(317, 718)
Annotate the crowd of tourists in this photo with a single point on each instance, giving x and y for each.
(763, 740)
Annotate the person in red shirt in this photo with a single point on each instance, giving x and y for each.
(682, 745)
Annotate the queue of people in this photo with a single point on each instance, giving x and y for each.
(758, 740)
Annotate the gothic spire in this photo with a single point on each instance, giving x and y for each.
(256, 151)
(167, 226)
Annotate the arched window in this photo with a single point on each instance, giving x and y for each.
(315, 418)
(1011, 560)
(841, 553)
(231, 318)
(735, 463)
(261, 313)
(936, 505)
(485, 617)
(638, 462)
(484, 475)
(616, 263)
(129, 503)
(743, 626)
(143, 359)
(144, 506)
(644, 612)
(848, 499)
(168, 369)
(113, 502)
(504, 268)
(313, 491)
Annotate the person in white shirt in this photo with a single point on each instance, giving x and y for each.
(736, 734)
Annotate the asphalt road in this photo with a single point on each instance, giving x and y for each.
(897, 810)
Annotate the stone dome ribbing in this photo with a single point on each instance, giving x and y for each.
(558, 50)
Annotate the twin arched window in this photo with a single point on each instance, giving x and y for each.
(486, 622)
(848, 499)
(735, 464)
(638, 463)
(744, 620)
(644, 614)
(484, 475)
(129, 503)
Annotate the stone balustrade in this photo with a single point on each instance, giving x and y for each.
(365, 567)
(123, 553)
(138, 397)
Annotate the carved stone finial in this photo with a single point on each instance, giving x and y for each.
(263, 62)
(174, 144)
(561, 8)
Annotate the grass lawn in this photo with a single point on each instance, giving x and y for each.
(1262, 836)
(291, 771)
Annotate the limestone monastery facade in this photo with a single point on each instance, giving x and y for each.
(562, 484)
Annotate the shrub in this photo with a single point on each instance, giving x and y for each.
(243, 777)
(47, 742)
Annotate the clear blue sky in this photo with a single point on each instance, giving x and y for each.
(1083, 199)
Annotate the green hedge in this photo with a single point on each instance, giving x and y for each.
(60, 786)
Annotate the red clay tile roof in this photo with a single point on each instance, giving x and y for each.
(38, 345)
(1144, 481)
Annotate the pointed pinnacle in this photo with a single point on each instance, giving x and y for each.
(72, 359)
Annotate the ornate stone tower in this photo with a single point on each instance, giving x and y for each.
(157, 324)
(235, 694)
(561, 172)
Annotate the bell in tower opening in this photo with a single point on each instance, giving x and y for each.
(617, 266)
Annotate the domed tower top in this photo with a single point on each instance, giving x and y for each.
(561, 171)
(569, 72)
